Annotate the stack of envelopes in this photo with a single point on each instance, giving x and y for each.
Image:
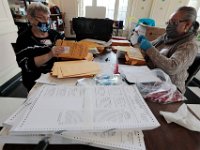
(79, 68)
(134, 56)
(73, 49)
(92, 45)
(77, 50)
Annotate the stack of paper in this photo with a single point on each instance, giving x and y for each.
(120, 43)
(93, 46)
(112, 139)
(90, 44)
(88, 109)
(138, 74)
(115, 139)
(103, 43)
(78, 68)
(121, 51)
(122, 48)
(78, 50)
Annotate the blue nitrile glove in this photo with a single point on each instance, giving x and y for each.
(145, 45)
(140, 38)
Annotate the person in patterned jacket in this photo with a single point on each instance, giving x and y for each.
(176, 50)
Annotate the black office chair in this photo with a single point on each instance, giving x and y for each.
(100, 29)
(193, 69)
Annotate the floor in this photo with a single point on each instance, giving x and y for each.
(18, 90)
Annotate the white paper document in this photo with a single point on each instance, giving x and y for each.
(133, 140)
(14, 119)
(49, 79)
(9, 105)
(138, 74)
(183, 117)
(112, 139)
(76, 109)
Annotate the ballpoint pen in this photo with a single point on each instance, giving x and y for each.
(42, 145)
(44, 142)
(125, 79)
(62, 41)
(193, 113)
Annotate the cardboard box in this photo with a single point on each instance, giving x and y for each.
(150, 32)
(153, 32)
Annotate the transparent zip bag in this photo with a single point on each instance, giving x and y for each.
(162, 92)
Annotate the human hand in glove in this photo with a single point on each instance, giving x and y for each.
(145, 45)
(140, 38)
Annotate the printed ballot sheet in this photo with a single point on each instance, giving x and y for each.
(113, 139)
(97, 108)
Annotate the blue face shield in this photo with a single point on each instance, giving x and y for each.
(43, 26)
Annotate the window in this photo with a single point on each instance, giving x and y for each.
(81, 7)
(123, 5)
(110, 7)
(115, 9)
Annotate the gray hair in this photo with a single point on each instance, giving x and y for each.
(37, 6)
(190, 13)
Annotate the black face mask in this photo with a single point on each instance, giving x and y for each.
(171, 31)
(43, 27)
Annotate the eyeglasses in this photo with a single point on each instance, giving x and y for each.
(171, 22)
(42, 18)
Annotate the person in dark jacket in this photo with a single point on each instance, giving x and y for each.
(34, 49)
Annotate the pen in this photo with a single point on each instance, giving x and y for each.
(193, 113)
(125, 79)
(62, 41)
(42, 145)
(107, 59)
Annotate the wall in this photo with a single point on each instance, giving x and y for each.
(70, 8)
(8, 34)
(162, 9)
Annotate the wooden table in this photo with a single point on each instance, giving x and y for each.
(166, 137)
(170, 136)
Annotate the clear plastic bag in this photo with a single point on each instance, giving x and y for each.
(104, 79)
(162, 92)
(101, 79)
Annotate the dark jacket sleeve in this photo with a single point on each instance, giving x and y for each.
(27, 47)
(26, 50)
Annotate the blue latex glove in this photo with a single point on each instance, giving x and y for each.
(140, 38)
(145, 45)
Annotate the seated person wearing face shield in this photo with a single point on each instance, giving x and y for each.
(176, 50)
(34, 50)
